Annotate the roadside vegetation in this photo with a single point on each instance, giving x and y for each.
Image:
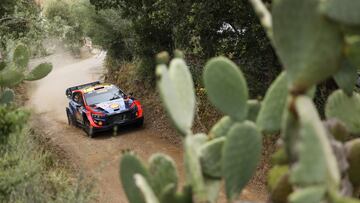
(29, 171)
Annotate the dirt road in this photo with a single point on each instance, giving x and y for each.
(97, 158)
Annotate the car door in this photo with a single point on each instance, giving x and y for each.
(78, 105)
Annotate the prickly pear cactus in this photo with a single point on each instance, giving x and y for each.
(14, 70)
(316, 162)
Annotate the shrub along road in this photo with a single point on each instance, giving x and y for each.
(96, 158)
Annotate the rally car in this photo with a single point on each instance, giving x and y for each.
(99, 107)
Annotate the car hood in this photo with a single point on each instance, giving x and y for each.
(114, 106)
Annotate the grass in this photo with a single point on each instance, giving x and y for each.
(30, 173)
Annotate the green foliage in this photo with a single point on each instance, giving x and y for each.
(242, 151)
(346, 11)
(226, 87)
(11, 122)
(311, 195)
(15, 71)
(211, 157)
(27, 171)
(311, 165)
(254, 109)
(163, 173)
(7, 96)
(39, 72)
(343, 107)
(346, 77)
(317, 164)
(22, 21)
(129, 166)
(270, 115)
(177, 92)
(317, 56)
(221, 127)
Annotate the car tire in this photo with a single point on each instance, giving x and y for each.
(139, 123)
(70, 118)
(89, 130)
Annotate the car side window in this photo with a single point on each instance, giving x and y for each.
(78, 98)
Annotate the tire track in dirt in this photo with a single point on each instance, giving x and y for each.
(96, 158)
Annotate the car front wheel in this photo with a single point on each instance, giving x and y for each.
(89, 130)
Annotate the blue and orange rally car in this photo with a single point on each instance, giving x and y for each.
(98, 107)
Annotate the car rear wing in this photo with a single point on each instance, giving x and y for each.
(70, 90)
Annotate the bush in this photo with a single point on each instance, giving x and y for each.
(28, 173)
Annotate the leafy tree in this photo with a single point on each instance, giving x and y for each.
(202, 29)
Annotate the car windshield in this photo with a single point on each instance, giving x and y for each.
(103, 95)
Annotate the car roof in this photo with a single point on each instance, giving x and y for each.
(97, 87)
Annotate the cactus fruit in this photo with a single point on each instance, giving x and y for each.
(337, 129)
(162, 57)
(317, 163)
(344, 108)
(309, 47)
(314, 194)
(163, 173)
(280, 157)
(271, 113)
(177, 93)
(39, 72)
(346, 77)
(254, 109)
(129, 166)
(353, 155)
(226, 87)
(281, 191)
(241, 154)
(344, 11)
(7, 96)
(145, 188)
(211, 157)
(275, 174)
(221, 127)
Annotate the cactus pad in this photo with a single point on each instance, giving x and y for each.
(313, 194)
(345, 109)
(308, 45)
(163, 173)
(221, 128)
(241, 154)
(343, 11)
(254, 109)
(21, 56)
(211, 157)
(129, 166)
(10, 77)
(194, 175)
(317, 163)
(226, 87)
(39, 72)
(145, 188)
(346, 77)
(7, 96)
(271, 113)
(177, 92)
